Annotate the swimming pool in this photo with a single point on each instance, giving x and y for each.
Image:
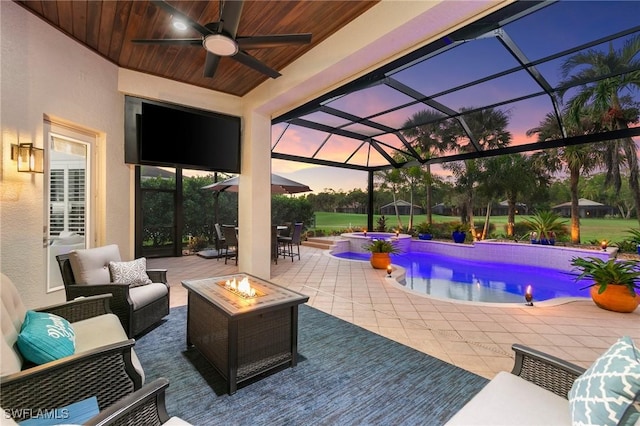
(448, 277)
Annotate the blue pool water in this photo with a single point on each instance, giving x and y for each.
(461, 279)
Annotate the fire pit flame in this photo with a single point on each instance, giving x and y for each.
(243, 288)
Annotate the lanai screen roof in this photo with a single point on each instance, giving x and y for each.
(509, 62)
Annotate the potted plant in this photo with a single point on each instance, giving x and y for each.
(425, 231)
(544, 225)
(615, 282)
(380, 252)
(457, 233)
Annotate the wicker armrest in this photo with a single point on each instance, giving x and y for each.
(546, 371)
(81, 309)
(143, 407)
(120, 304)
(106, 373)
(119, 291)
(158, 275)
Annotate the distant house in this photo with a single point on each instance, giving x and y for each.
(586, 208)
(502, 209)
(442, 210)
(404, 208)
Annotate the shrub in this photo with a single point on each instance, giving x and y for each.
(197, 243)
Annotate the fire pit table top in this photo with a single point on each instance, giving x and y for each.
(267, 295)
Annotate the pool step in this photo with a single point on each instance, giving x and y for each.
(318, 242)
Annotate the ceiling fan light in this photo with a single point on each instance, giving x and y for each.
(220, 45)
(179, 25)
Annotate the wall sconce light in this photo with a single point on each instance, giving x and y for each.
(29, 158)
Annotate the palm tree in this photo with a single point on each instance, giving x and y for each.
(603, 101)
(391, 179)
(577, 159)
(511, 176)
(489, 129)
(424, 128)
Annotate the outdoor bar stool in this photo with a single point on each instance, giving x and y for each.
(287, 243)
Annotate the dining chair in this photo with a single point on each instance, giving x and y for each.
(220, 241)
(275, 245)
(230, 241)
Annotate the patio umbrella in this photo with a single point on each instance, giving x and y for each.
(279, 185)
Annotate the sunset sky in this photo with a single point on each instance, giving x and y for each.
(555, 28)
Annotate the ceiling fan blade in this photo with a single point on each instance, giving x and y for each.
(181, 41)
(230, 16)
(250, 61)
(177, 14)
(258, 42)
(211, 64)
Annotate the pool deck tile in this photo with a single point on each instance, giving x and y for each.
(477, 338)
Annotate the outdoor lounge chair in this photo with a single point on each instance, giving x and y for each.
(103, 364)
(139, 306)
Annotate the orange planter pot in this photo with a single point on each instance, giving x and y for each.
(380, 260)
(615, 298)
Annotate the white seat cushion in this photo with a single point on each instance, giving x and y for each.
(100, 331)
(509, 400)
(145, 294)
(176, 421)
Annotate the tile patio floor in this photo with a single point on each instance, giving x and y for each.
(476, 338)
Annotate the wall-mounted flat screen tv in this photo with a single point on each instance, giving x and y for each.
(177, 136)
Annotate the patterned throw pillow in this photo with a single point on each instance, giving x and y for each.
(45, 337)
(606, 392)
(133, 273)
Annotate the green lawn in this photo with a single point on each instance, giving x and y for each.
(590, 229)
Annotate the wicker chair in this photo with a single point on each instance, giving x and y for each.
(535, 392)
(136, 309)
(145, 407)
(108, 372)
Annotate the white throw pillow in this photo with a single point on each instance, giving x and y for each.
(133, 273)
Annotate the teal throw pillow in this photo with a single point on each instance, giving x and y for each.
(606, 392)
(45, 337)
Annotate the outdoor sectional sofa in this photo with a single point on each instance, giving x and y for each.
(103, 365)
(545, 390)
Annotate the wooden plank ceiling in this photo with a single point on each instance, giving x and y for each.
(107, 27)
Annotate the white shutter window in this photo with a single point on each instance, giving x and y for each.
(67, 188)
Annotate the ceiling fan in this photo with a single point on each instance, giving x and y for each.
(220, 39)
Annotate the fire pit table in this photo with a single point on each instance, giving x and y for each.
(243, 325)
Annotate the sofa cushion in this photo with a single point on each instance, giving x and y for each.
(133, 272)
(605, 393)
(142, 296)
(91, 266)
(511, 400)
(45, 337)
(100, 331)
(12, 313)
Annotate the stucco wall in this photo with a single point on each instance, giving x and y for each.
(44, 72)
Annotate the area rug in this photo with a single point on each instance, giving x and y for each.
(345, 375)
